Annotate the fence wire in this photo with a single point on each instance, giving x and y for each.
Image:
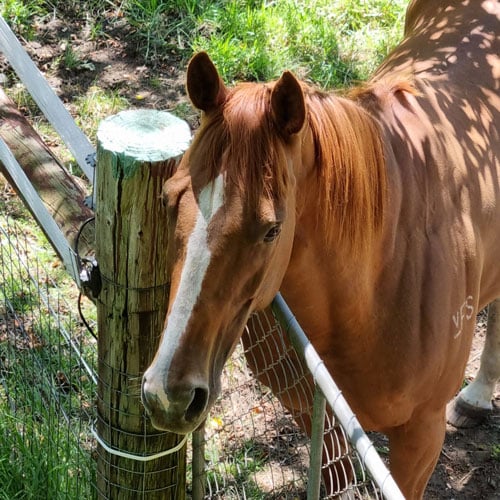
(47, 379)
(255, 447)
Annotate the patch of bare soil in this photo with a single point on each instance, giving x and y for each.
(73, 61)
(468, 468)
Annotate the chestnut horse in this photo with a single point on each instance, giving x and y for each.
(376, 215)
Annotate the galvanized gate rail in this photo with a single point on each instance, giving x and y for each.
(76, 141)
(327, 391)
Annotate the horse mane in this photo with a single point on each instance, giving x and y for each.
(351, 169)
(349, 157)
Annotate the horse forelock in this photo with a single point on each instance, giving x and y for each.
(241, 140)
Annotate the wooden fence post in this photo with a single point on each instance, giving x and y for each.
(136, 152)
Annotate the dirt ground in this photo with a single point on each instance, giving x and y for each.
(468, 468)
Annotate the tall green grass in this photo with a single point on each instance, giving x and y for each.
(46, 397)
(333, 43)
(46, 394)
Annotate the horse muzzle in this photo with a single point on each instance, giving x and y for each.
(177, 408)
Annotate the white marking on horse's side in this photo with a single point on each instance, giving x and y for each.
(197, 260)
(466, 312)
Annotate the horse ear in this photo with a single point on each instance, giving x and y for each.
(287, 104)
(204, 85)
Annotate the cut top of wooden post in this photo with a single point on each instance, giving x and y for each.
(143, 135)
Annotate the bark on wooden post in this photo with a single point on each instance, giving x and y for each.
(137, 151)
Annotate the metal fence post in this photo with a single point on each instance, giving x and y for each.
(318, 429)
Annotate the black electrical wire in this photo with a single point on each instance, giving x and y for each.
(80, 260)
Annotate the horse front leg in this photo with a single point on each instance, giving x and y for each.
(473, 403)
(414, 450)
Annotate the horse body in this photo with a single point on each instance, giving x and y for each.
(378, 218)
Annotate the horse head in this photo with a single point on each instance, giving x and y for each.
(231, 221)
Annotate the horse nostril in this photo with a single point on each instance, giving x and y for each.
(198, 403)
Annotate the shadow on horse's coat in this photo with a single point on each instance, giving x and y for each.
(377, 216)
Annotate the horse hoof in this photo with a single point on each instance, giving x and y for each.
(461, 414)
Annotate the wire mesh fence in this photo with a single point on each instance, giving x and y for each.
(253, 447)
(256, 447)
(46, 378)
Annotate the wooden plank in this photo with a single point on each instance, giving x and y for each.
(62, 194)
(43, 217)
(137, 151)
(47, 100)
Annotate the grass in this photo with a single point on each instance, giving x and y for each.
(316, 39)
(46, 397)
(40, 460)
(333, 43)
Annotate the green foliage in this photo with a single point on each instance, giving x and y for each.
(162, 26)
(31, 468)
(19, 14)
(46, 395)
(39, 456)
(331, 43)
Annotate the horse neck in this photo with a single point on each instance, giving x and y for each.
(341, 204)
(344, 149)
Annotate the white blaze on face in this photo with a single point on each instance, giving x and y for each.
(195, 266)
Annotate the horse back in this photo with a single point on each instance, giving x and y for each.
(449, 39)
(445, 135)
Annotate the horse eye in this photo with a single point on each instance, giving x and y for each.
(273, 233)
